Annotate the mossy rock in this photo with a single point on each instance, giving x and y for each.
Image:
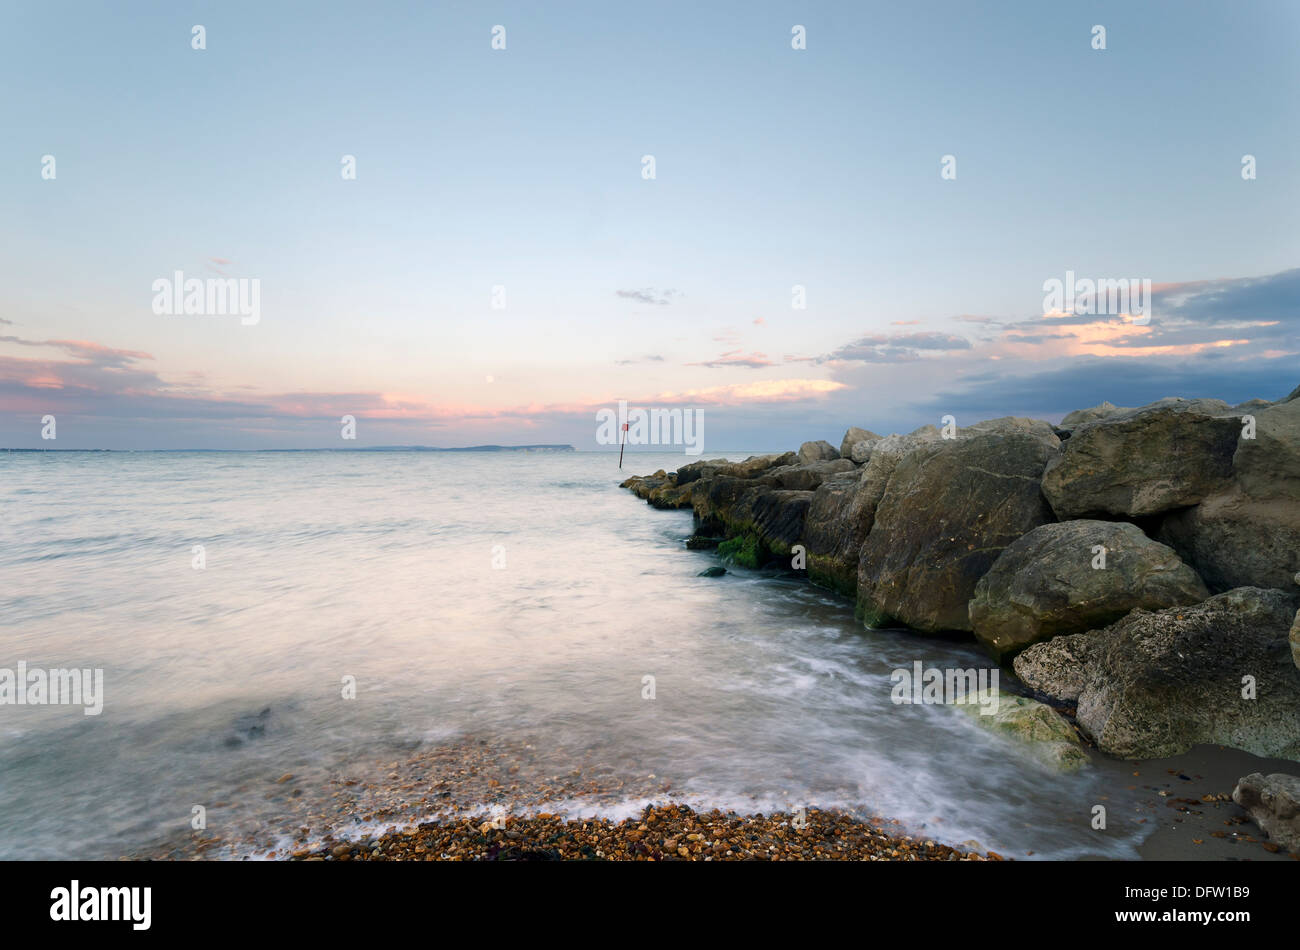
(745, 550)
(1041, 729)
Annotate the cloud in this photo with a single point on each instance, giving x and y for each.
(658, 298)
(881, 348)
(772, 390)
(643, 359)
(737, 358)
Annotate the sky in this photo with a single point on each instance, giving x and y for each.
(502, 266)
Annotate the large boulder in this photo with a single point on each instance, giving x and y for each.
(670, 495)
(751, 467)
(1249, 532)
(819, 451)
(807, 476)
(1082, 416)
(833, 532)
(1273, 803)
(1052, 581)
(643, 485)
(860, 453)
(1155, 684)
(852, 437)
(948, 509)
(774, 516)
(1139, 462)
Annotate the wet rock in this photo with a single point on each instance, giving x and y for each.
(1038, 728)
(775, 516)
(697, 543)
(1156, 683)
(947, 511)
(1140, 462)
(1047, 583)
(819, 451)
(834, 529)
(1273, 803)
(712, 499)
(643, 485)
(670, 495)
(715, 571)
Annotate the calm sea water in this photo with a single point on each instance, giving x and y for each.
(499, 596)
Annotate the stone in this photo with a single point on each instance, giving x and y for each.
(1135, 463)
(947, 511)
(715, 571)
(1295, 640)
(1038, 728)
(1154, 684)
(834, 529)
(1273, 803)
(1248, 534)
(819, 451)
(1046, 583)
(860, 452)
(807, 476)
(1081, 416)
(852, 437)
(774, 516)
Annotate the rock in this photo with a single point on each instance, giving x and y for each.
(819, 451)
(1081, 416)
(670, 495)
(1042, 731)
(852, 437)
(775, 516)
(1295, 640)
(1156, 683)
(1273, 803)
(697, 543)
(1233, 540)
(750, 468)
(1295, 394)
(947, 511)
(712, 499)
(807, 476)
(715, 571)
(643, 485)
(860, 452)
(1248, 533)
(745, 550)
(1045, 584)
(1144, 461)
(834, 529)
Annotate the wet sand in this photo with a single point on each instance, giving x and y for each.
(478, 800)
